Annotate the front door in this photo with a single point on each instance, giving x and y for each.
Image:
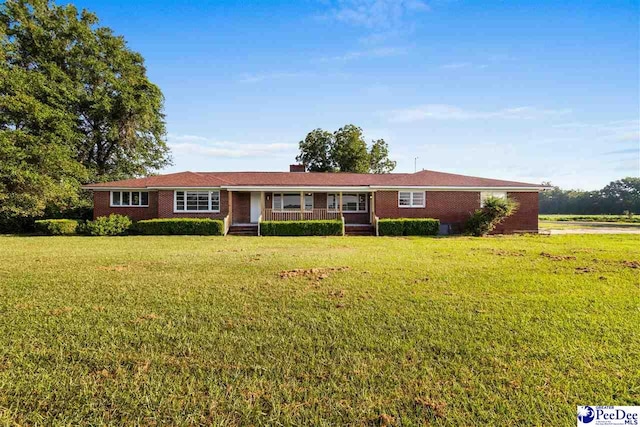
(255, 206)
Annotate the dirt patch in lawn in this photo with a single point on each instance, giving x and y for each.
(501, 252)
(631, 264)
(311, 273)
(557, 257)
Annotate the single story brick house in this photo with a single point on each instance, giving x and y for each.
(243, 199)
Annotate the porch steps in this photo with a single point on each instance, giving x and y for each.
(359, 230)
(243, 230)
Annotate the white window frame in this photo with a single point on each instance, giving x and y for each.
(130, 199)
(282, 209)
(412, 203)
(485, 194)
(337, 199)
(184, 202)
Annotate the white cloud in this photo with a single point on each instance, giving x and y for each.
(372, 14)
(615, 131)
(256, 78)
(462, 65)
(381, 52)
(201, 146)
(450, 112)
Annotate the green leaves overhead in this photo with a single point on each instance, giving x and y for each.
(76, 106)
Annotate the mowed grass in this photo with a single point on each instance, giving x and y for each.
(400, 331)
(633, 219)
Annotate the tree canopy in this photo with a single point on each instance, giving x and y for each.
(615, 198)
(76, 106)
(344, 150)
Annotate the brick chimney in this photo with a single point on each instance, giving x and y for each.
(296, 168)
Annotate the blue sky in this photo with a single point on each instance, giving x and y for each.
(524, 90)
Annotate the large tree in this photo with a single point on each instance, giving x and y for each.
(379, 161)
(344, 151)
(75, 106)
(315, 151)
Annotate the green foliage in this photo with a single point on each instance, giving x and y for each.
(349, 150)
(301, 228)
(112, 225)
(57, 227)
(615, 198)
(494, 211)
(408, 226)
(379, 161)
(345, 151)
(75, 106)
(314, 151)
(625, 218)
(390, 227)
(194, 226)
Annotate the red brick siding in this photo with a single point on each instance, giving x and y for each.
(241, 207)
(455, 207)
(165, 207)
(525, 218)
(449, 207)
(101, 207)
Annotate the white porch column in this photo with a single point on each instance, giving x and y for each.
(301, 205)
(372, 205)
(340, 200)
(262, 204)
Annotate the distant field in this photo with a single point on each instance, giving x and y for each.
(511, 330)
(591, 218)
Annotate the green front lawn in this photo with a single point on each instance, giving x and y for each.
(317, 331)
(591, 218)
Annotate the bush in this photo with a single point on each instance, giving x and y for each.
(180, 226)
(408, 226)
(301, 228)
(57, 227)
(390, 227)
(112, 225)
(495, 210)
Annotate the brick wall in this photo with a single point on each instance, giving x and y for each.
(525, 218)
(165, 207)
(450, 207)
(455, 207)
(241, 207)
(101, 207)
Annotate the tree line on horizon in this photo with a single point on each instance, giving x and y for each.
(616, 198)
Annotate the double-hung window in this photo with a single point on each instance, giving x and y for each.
(197, 201)
(411, 199)
(138, 199)
(291, 201)
(351, 202)
(484, 195)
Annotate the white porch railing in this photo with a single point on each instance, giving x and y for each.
(271, 215)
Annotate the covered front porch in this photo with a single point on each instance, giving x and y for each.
(252, 207)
